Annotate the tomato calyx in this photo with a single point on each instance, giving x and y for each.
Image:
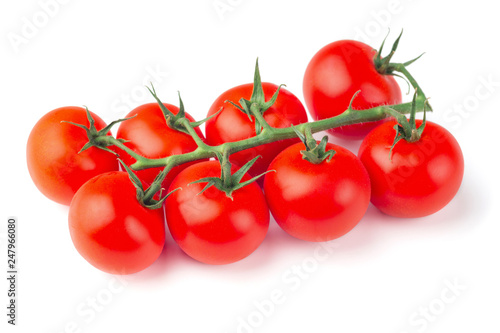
(257, 105)
(145, 196)
(407, 129)
(315, 152)
(179, 121)
(229, 182)
(98, 139)
(384, 65)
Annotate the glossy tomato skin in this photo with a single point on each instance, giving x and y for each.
(336, 73)
(111, 229)
(317, 202)
(210, 227)
(54, 164)
(233, 125)
(149, 135)
(421, 177)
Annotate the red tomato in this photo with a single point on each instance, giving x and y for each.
(335, 73)
(210, 227)
(150, 136)
(111, 229)
(317, 202)
(54, 164)
(420, 178)
(233, 125)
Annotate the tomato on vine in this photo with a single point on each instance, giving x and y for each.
(318, 192)
(416, 166)
(112, 229)
(277, 106)
(59, 160)
(337, 72)
(213, 224)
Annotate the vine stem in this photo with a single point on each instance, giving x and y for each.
(268, 134)
(421, 100)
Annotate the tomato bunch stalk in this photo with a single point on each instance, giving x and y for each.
(265, 133)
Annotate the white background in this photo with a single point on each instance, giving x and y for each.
(375, 279)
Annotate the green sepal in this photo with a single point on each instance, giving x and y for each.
(211, 181)
(397, 138)
(408, 63)
(245, 107)
(97, 138)
(134, 179)
(258, 91)
(413, 110)
(238, 175)
(421, 128)
(349, 108)
(201, 122)
(266, 105)
(141, 194)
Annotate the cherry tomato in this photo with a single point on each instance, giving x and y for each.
(210, 227)
(334, 75)
(111, 229)
(232, 124)
(420, 177)
(54, 164)
(149, 135)
(317, 202)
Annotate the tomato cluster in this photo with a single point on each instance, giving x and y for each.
(218, 212)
